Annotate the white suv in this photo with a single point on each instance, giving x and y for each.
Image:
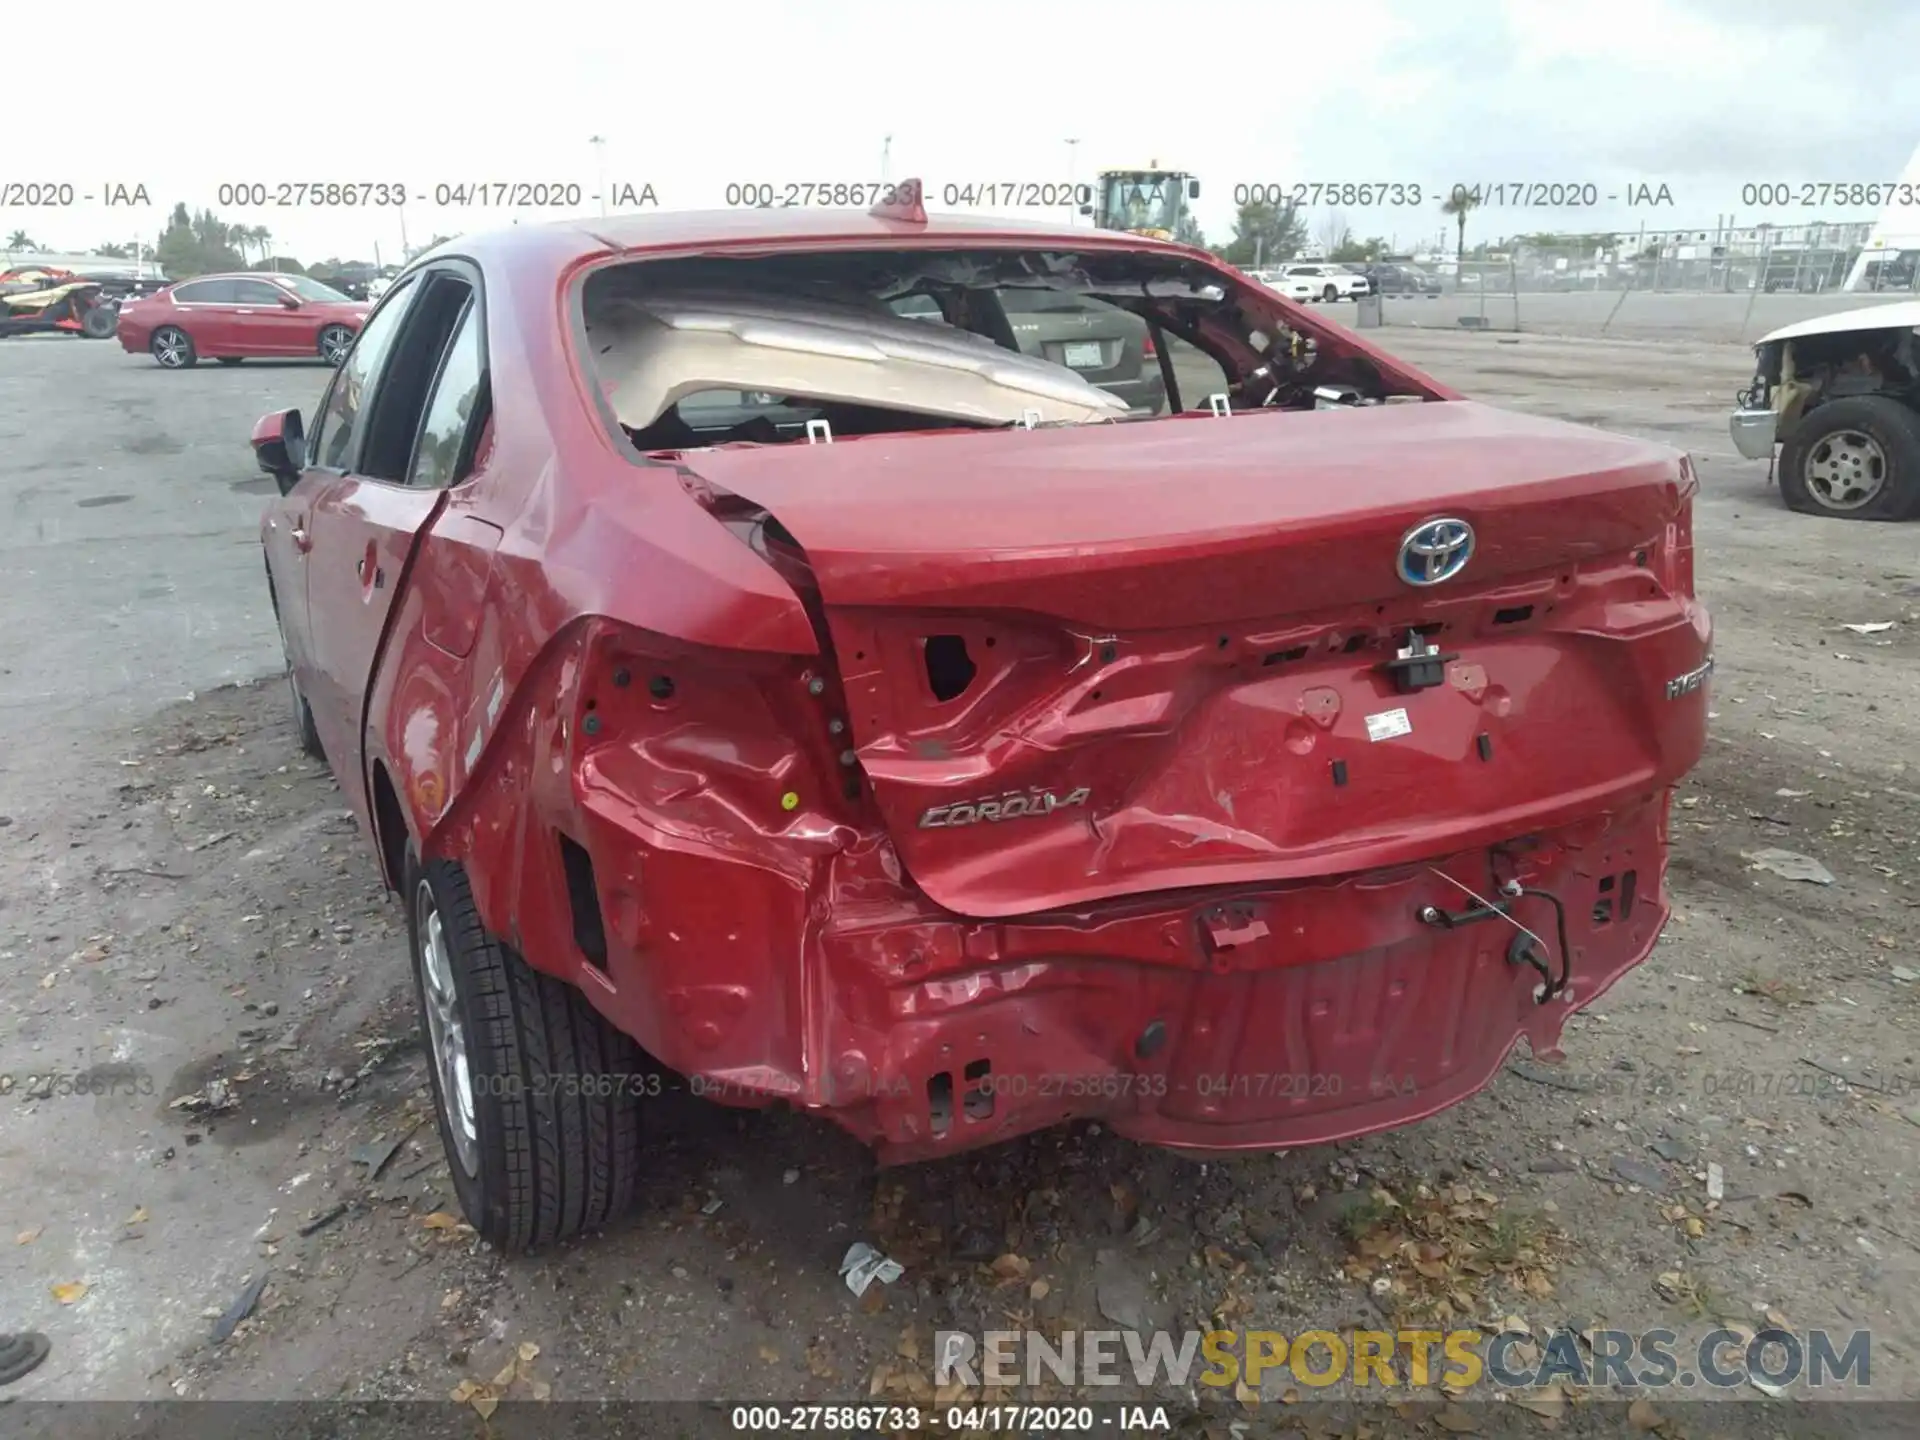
(1330, 282)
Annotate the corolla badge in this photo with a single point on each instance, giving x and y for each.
(1014, 805)
(1435, 550)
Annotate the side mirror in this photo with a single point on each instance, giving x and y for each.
(1193, 189)
(1083, 197)
(280, 447)
(292, 302)
(1086, 209)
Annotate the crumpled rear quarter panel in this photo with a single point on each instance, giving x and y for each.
(780, 954)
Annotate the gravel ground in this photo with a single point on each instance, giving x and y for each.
(185, 909)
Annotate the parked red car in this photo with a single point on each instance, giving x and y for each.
(846, 709)
(231, 318)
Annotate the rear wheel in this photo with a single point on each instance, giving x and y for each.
(537, 1096)
(335, 341)
(1854, 459)
(100, 322)
(173, 348)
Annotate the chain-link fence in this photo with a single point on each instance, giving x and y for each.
(1719, 285)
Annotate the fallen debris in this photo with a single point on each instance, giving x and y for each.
(216, 1098)
(1546, 1075)
(377, 1153)
(1639, 1172)
(239, 1310)
(21, 1354)
(1789, 865)
(322, 1220)
(863, 1265)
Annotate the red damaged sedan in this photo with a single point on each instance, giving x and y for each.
(230, 318)
(747, 661)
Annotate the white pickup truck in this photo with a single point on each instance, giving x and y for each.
(1840, 396)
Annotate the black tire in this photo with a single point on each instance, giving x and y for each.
(231, 359)
(553, 1153)
(333, 343)
(303, 726)
(100, 322)
(173, 348)
(1330, 294)
(1854, 459)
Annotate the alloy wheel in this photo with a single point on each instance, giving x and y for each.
(1846, 469)
(446, 1030)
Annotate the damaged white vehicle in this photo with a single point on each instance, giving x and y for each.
(1840, 396)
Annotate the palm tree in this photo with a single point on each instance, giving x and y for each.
(1457, 205)
(20, 240)
(263, 237)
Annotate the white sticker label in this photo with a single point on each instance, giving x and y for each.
(1387, 724)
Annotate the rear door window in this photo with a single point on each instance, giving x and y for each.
(398, 399)
(205, 292)
(336, 437)
(444, 446)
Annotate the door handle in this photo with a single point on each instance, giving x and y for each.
(302, 541)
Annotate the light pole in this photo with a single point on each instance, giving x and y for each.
(886, 158)
(599, 143)
(1073, 153)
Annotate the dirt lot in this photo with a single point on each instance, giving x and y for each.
(186, 912)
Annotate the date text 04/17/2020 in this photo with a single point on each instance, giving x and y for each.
(1493, 195)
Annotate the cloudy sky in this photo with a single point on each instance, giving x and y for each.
(1704, 97)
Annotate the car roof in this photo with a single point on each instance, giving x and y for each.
(1897, 315)
(750, 227)
(236, 275)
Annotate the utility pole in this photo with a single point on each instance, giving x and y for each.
(886, 158)
(599, 143)
(1073, 156)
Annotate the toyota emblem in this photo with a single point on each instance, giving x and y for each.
(1435, 550)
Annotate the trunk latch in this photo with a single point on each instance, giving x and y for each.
(1418, 665)
(1232, 928)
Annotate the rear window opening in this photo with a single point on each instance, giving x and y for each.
(817, 347)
